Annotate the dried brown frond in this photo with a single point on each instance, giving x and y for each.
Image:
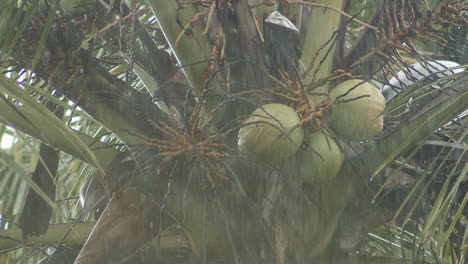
(100, 32)
(324, 6)
(403, 21)
(190, 143)
(196, 18)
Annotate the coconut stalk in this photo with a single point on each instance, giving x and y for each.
(117, 240)
(216, 223)
(188, 40)
(244, 45)
(313, 235)
(317, 54)
(262, 8)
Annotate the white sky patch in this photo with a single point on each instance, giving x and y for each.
(7, 140)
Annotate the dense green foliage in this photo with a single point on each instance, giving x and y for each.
(224, 132)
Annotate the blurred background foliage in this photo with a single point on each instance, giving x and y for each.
(421, 193)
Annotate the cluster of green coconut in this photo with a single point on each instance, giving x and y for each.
(273, 132)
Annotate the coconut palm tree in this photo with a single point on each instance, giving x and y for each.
(233, 131)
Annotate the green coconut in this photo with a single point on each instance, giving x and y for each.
(321, 160)
(272, 133)
(359, 114)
